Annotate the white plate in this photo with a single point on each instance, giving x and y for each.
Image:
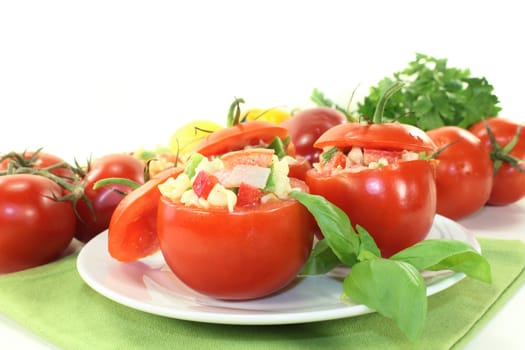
(149, 285)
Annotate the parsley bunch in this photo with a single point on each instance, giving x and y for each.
(434, 95)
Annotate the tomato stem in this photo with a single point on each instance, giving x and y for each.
(500, 154)
(116, 181)
(380, 109)
(234, 112)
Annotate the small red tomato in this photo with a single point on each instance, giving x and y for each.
(104, 200)
(464, 172)
(35, 228)
(509, 165)
(38, 160)
(306, 126)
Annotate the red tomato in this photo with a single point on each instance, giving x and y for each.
(248, 195)
(387, 136)
(251, 133)
(509, 182)
(132, 233)
(34, 228)
(204, 183)
(105, 199)
(239, 136)
(395, 203)
(464, 172)
(37, 160)
(235, 255)
(306, 126)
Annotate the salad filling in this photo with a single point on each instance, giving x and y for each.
(236, 179)
(334, 160)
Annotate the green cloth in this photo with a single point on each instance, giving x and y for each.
(54, 302)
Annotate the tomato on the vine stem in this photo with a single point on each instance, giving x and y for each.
(504, 140)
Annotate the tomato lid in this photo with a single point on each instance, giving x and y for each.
(392, 136)
(237, 137)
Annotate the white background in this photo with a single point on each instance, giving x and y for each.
(94, 77)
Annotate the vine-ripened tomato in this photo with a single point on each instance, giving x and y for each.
(306, 126)
(132, 232)
(235, 255)
(395, 201)
(464, 173)
(251, 134)
(509, 182)
(35, 228)
(37, 160)
(104, 200)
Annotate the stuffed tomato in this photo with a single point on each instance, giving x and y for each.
(255, 134)
(378, 175)
(228, 228)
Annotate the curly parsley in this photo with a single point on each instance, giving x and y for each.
(434, 95)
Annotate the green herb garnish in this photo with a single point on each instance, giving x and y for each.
(434, 95)
(394, 287)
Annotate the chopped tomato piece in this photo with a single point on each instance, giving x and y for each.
(204, 183)
(248, 195)
(255, 156)
(337, 160)
(374, 155)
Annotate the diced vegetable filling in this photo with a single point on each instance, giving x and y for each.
(237, 179)
(334, 160)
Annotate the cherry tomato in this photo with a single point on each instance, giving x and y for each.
(394, 202)
(132, 233)
(37, 160)
(35, 228)
(104, 200)
(464, 172)
(235, 255)
(185, 138)
(509, 181)
(306, 126)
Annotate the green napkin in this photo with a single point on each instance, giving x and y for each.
(54, 302)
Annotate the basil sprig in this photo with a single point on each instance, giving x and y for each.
(393, 287)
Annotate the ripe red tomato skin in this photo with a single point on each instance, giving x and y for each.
(508, 184)
(132, 232)
(34, 228)
(464, 173)
(239, 136)
(396, 203)
(235, 256)
(306, 126)
(387, 136)
(104, 200)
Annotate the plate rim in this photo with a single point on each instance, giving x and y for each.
(259, 318)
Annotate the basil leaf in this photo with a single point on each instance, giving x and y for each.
(368, 248)
(446, 254)
(394, 289)
(334, 224)
(321, 260)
